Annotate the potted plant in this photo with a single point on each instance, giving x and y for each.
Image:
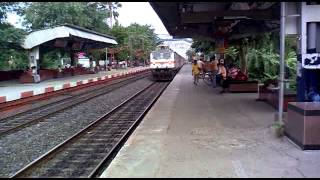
(278, 129)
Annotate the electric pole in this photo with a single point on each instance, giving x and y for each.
(111, 13)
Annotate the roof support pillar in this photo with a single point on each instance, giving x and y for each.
(34, 63)
(282, 53)
(308, 51)
(34, 56)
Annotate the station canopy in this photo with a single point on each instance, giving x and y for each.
(68, 36)
(215, 19)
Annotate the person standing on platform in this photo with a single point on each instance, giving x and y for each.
(201, 64)
(222, 74)
(27, 69)
(214, 70)
(36, 76)
(195, 72)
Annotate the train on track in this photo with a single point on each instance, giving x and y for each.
(165, 63)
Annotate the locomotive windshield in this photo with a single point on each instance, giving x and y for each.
(161, 54)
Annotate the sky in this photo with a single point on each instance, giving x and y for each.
(130, 12)
(14, 20)
(141, 13)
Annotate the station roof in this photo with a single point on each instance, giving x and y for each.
(213, 19)
(180, 39)
(66, 33)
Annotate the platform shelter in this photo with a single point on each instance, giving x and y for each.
(70, 38)
(229, 22)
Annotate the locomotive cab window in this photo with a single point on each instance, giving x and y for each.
(161, 55)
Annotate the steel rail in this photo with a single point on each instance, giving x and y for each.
(74, 101)
(64, 144)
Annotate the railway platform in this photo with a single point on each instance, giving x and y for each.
(193, 131)
(14, 90)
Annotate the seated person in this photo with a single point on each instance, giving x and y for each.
(36, 76)
(271, 83)
(59, 69)
(313, 95)
(233, 71)
(241, 77)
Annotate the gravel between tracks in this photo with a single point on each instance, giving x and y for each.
(27, 107)
(20, 148)
(39, 103)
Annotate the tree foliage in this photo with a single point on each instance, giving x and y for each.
(232, 52)
(10, 34)
(90, 15)
(7, 7)
(141, 37)
(121, 34)
(11, 55)
(261, 54)
(203, 46)
(11, 59)
(264, 59)
(190, 52)
(51, 59)
(134, 39)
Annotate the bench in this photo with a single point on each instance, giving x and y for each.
(302, 125)
(9, 75)
(271, 96)
(46, 74)
(26, 77)
(243, 86)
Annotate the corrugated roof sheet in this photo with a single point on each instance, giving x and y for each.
(36, 38)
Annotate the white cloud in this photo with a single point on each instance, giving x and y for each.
(141, 13)
(14, 19)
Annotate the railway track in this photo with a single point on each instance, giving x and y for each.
(84, 153)
(24, 119)
(21, 102)
(7, 106)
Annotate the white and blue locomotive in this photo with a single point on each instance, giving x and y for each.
(165, 63)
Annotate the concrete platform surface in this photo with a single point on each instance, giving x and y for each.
(193, 131)
(12, 90)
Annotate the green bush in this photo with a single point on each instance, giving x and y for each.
(51, 60)
(11, 59)
(263, 59)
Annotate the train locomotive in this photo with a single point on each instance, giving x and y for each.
(165, 63)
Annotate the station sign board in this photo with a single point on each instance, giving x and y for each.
(311, 61)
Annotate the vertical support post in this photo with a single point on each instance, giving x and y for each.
(301, 49)
(105, 62)
(34, 55)
(243, 60)
(72, 58)
(130, 47)
(111, 14)
(282, 53)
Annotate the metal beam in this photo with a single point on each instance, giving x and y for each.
(241, 35)
(209, 16)
(193, 34)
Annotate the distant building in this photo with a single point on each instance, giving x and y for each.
(180, 46)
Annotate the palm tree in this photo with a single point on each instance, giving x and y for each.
(113, 13)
